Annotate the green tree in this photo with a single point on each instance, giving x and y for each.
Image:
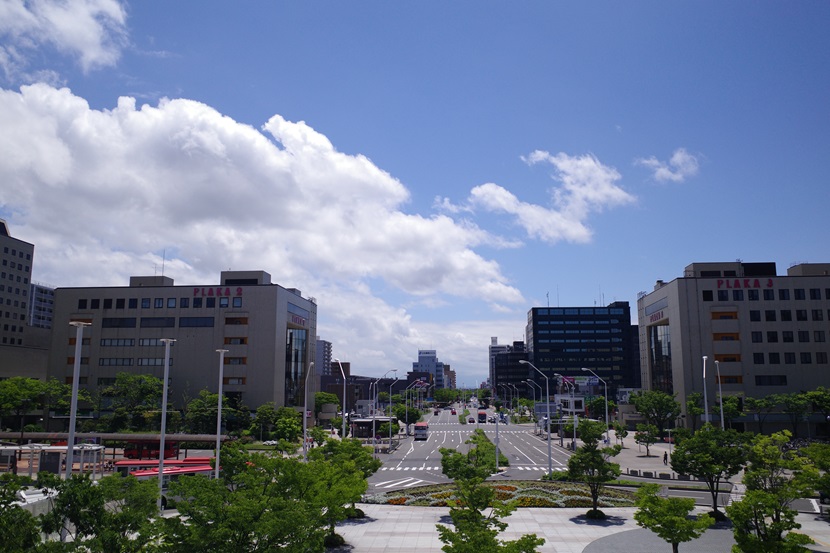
(590, 464)
(318, 434)
(200, 413)
(621, 432)
(694, 408)
(669, 517)
(113, 514)
(712, 455)
(596, 407)
(731, 409)
(760, 408)
(132, 396)
(264, 419)
(819, 454)
(445, 396)
(795, 405)
(647, 434)
(274, 504)
(820, 399)
(474, 531)
(406, 415)
(19, 532)
(18, 396)
(324, 398)
(775, 477)
(658, 408)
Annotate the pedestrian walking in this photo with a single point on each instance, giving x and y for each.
(665, 457)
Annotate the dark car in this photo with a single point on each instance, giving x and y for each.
(471, 420)
(452, 412)
(491, 419)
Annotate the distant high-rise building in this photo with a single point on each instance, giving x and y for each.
(41, 306)
(495, 349)
(565, 340)
(24, 349)
(428, 362)
(322, 358)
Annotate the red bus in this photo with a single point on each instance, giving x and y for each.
(150, 450)
(126, 467)
(172, 473)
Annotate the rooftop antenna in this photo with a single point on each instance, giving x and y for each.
(163, 259)
(547, 295)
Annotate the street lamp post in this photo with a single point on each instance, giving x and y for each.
(406, 404)
(720, 395)
(343, 374)
(73, 409)
(305, 411)
(222, 353)
(515, 397)
(166, 342)
(572, 388)
(390, 414)
(533, 387)
(705, 397)
(550, 421)
(604, 383)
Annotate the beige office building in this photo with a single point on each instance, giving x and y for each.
(768, 333)
(268, 331)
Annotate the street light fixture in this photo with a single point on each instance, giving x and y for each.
(166, 342)
(406, 404)
(533, 387)
(73, 410)
(222, 353)
(720, 394)
(550, 421)
(516, 397)
(604, 383)
(343, 412)
(705, 397)
(305, 411)
(573, 406)
(390, 413)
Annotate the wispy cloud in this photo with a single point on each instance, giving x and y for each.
(678, 168)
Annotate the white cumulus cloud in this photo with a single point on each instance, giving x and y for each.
(678, 168)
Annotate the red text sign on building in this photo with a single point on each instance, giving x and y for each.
(743, 283)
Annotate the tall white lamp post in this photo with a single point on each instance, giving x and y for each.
(534, 385)
(550, 421)
(572, 389)
(406, 403)
(73, 409)
(720, 394)
(390, 413)
(222, 353)
(705, 397)
(343, 411)
(604, 383)
(166, 342)
(305, 412)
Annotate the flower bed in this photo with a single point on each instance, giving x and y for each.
(524, 493)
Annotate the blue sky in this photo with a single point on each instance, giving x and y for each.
(428, 171)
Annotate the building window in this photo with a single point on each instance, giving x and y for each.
(774, 358)
(769, 315)
(236, 341)
(728, 379)
(753, 295)
(821, 357)
(236, 320)
(210, 303)
(184, 303)
(237, 302)
(725, 337)
(223, 302)
(708, 295)
(158, 303)
(806, 358)
(757, 337)
(725, 315)
(758, 358)
(815, 293)
(728, 357)
(772, 336)
(118, 322)
(153, 362)
(799, 294)
(723, 295)
(737, 295)
(789, 357)
(158, 322)
(769, 294)
(197, 303)
(145, 303)
(95, 304)
(115, 362)
(132, 303)
(108, 303)
(818, 315)
(787, 336)
(786, 315)
(803, 336)
(800, 314)
(236, 360)
(171, 303)
(754, 315)
(233, 381)
(818, 336)
(771, 380)
(81, 304)
(783, 294)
